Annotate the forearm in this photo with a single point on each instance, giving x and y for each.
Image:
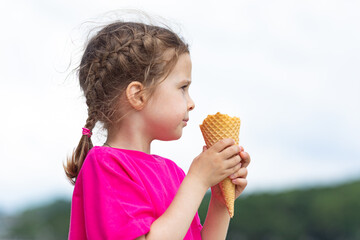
(176, 220)
(217, 221)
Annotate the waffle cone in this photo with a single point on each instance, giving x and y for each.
(217, 127)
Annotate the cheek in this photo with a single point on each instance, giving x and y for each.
(178, 105)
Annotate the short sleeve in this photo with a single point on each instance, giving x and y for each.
(116, 205)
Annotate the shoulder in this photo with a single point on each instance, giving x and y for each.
(106, 158)
(130, 160)
(103, 164)
(123, 159)
(108, 155)
(100, 154)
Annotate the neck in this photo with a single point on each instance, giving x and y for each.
(129, 136)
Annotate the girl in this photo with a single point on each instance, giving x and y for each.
(136, 79)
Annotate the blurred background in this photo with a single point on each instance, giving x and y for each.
(289, 69)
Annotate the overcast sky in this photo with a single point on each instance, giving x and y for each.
(289, 69)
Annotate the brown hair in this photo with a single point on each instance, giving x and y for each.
(118, 54)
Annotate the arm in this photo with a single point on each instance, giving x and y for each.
(216, 222)
(176, 220)
(209, 168)
(218, 219)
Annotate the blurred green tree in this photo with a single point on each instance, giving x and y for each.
(306, 214)
(50, 222)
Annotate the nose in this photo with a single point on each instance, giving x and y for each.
(191, 104)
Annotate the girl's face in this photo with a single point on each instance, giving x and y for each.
(167, 110)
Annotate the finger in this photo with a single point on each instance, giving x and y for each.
(230, 151)
(233, 161)
(242, 173)
(204, 148)
(245, 159)
(240, 182)
(222, 144)
(234, 168)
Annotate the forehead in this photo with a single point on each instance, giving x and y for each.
(183, 66)
(179, 74)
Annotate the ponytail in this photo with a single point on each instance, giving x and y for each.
(75, 162)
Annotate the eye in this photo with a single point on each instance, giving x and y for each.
(185, 87)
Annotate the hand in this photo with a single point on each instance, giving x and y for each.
(239, 178)
(216, 163)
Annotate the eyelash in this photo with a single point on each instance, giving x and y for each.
(184, 87)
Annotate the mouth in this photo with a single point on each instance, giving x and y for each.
(185, 121)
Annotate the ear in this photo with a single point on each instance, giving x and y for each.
(135, 95)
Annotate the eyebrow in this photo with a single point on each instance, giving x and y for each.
(186, 81)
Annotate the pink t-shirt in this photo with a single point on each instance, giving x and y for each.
(120, 193)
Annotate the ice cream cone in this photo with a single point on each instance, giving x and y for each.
(217, 127)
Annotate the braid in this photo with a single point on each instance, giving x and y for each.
(118, 54)
(75, 162)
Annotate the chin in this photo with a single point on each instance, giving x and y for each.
(170, 138)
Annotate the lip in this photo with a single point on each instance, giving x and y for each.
(185, 121)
